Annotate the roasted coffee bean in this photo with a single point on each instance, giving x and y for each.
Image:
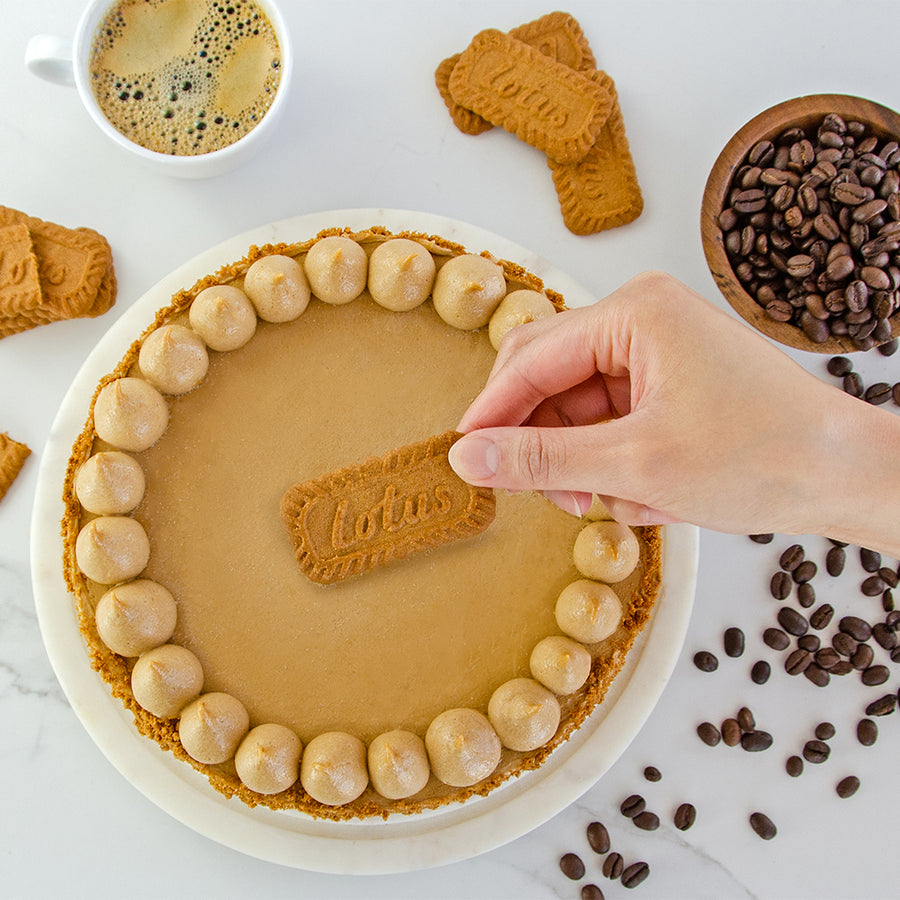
(817, 675)
(598, 837)
(794, 766)
(849, 193)
(806, 595)
(591, 892)
(889, 576)
(731, 732)
(733, 641)
(706, 661)
(844, 644)
(862, 657)
(809, 642)
(869, 559)
(635, 874)
(839, 366)
(866, 732)
(756, 741)
(572, 866)
(822, 616)
(632, 806)
(887, 601)
(889, 348)
(824, 731)
(709, 734)
(835, 560)
(847, 786)
(883, 706)
(792, 557)
(746, 719)
(878, 393)
(613, 866)
(816, 751)
(752, 200)
(884, 636)
(872, 586)
(646, 820)
(763, 826)
(792, 622)
(685, 816)
(857, 628)
(842, 667)
(651, 773)
(826, 658)
(875, 675)
(776, 639)
(853, 384)
(765, 538)
(806, 571)
(798, 662)
(780, 585)
(760, 672)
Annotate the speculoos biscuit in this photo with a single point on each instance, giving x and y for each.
(12, 457)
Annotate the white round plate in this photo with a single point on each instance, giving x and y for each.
(401, 843)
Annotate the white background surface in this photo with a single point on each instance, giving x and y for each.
(366, 128)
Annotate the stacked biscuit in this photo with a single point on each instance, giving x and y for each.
(540, 82)
(48, 272)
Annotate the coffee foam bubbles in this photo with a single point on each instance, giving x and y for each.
(185, 77)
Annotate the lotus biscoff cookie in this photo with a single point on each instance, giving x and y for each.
(12, 456)
(20, 290)
(556, 35)
(543, 102)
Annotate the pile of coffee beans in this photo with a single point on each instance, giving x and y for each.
(812, 230)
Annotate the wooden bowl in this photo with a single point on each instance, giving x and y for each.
(805, 112)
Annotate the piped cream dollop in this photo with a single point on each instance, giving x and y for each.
(560, 664)
(333, 768)
(336, 268)
(165, 679)
(135, 617)
(110, 549)
(398, 764)
(588, 611)
(130, 414)
(607, 551)
(401, 274)
(277, 287)
(518, 308)
(173, 359)
(212, 726)
(462, 746)
(268, 759)
(524, 714)
(223, 316)
(467, 290)
(110, 483)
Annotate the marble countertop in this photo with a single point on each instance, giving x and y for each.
(366, 128)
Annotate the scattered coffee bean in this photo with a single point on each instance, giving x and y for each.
(844, 644)
(883, 706)
(776, 639)
(835, 560)
(798, 662)
(816, 751)
(646, 820)
(809, 642)
(857, 628)
(613, 866)
(884, 635)
(591, 892)
(889, 576)
(806, 571)
(709, 734)
(866, 732)
(780, 585)
(763, 826)
(731, 732)
(841, 667)
(706, 661)
(633, 805)
(755, 741)
(762, 538)
(822, 616)
(827, 658)
(792, 557)
(847, 787)
(792, 622)
(872, 586)
(824, 731)
(878, 393)
(685, 816)
(598, 837)
(817, 675)
(635, 874)
(733, 642)
(651, 773)
(806, 595)
(852, 384)
(863, 657)
(875, 675)
(887, 600)
(794, 766)
(869, 559)
(839, 366)
(760, 672)
(746, 719)
(572, 866)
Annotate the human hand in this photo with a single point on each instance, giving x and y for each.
(669, 409)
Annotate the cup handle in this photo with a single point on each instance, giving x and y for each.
(50, 57)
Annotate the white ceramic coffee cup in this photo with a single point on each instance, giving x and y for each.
(66, 62)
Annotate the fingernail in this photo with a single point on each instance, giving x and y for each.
(569, 501)
(474, 458)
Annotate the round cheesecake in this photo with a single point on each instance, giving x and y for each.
(427, 680)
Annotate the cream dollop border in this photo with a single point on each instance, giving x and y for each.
(116, 669)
